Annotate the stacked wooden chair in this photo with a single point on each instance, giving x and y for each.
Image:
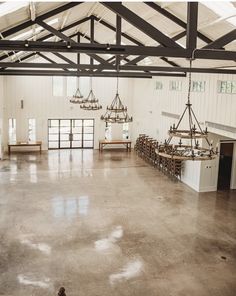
(146, 147)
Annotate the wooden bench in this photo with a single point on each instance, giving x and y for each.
(25, 144)
(126, 143)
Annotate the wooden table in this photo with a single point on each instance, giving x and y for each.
(25, 144)
(126, 143)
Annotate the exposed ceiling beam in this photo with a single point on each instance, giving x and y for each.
(52, 63)
(223, 40)
(153, 69)
(192, 17)
(51, 35)
(176, 20)
(135, 41)
(44, 16)
(140, 24)
(74, 73)
(60, 56)
(87, 48)
(111, 27)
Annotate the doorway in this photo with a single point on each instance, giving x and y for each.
(225, 166)
(70, 133)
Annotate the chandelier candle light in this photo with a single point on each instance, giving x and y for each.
(77, 97)
(116, 112)
(191, 150)
(91, 102)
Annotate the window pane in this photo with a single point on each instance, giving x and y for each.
(125, 130)
(108, 133)
(53, 122)
(77, 144)
(65, 144)
(12, 130)
(88, 144)
(65, 122)
(57, 86)
(32, 129)
(234, 87)
(88, 137)
(53, 145)
(228, 87)
(88, 122)
(71, 86)
(88, 130)
(52, 137)
(77, 137)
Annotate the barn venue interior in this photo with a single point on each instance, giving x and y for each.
(117, 148)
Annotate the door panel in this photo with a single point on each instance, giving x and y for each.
(76, 144)
(225, 166)
(70, 133)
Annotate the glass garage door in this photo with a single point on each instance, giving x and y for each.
(70, 133)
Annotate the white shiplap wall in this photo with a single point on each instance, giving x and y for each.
(148, 105)
(39, 103)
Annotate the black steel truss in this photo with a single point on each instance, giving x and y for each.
(166, 48)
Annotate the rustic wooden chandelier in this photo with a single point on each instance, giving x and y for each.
(191, 149)
(91, 102)
(116, 112)
(77, 97)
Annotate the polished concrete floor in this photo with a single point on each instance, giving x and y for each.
(109, 224)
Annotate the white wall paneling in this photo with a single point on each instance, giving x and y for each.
(39, 103)
(155, 110)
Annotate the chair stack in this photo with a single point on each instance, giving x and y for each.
(146, 147)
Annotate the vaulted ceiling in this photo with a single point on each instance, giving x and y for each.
(130, 39)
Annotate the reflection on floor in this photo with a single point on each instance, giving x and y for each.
(109, 224)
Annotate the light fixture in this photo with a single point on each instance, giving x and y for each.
(190, 149)
(26, 43)
(91, 102)
(68, 44)
(77, 97)
(116, 112)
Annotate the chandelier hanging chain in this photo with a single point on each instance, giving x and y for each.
(91, 82)
(117, 85)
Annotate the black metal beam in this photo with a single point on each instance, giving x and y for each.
(176, 20)
(87, 48)
(153, 69)
(118, 38)
(91, 37)
(132, 39)
(44, 16)
(53, 31)
(140, 58)
(214, 54)
(73, 73)
(178, 69)
(192, 20)
(140, 24)
(51, 35)
(222, 41)
(62, 57)
(53, 63)
(111, 27)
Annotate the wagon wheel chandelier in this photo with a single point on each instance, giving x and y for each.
(116, 112)
(77, 97)
(190, 149)
(91, 102)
